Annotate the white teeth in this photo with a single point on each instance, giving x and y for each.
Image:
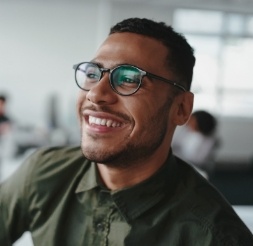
(92, 120)
(109, 123)
(97, 121)
(103, 122)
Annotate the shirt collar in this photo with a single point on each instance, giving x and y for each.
(134, 201)
(89, 180)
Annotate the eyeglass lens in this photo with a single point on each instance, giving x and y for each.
(125, 79)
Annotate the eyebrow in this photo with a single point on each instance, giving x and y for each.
(114, 65)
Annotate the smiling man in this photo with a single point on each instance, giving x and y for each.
(123, 186)
(127, 116)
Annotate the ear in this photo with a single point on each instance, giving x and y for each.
(183, 105)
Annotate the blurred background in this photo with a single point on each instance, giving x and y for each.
(41, 40)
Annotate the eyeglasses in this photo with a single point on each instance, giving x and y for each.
(124, 79)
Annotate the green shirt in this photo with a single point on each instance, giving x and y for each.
(56, 196)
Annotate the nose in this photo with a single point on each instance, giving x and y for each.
(102, 93)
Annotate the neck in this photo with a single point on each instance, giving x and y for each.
(116, 178)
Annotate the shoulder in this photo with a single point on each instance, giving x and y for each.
(47, 169)
(55, 154)
(48, 177)
(209, 209)
(57, 151)
(46, 163)
(52, 172)
(48, 166)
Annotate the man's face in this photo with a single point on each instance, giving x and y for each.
(120, 130)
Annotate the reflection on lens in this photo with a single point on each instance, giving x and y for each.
(87, 75)
(126, 79)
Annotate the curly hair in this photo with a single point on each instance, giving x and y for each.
(180, 57)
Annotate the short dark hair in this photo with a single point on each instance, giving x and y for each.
(3, 98)
(180, 58)
(206, 122)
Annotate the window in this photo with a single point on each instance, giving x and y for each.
(223, 46)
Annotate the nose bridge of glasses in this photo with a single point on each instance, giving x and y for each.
(103, 71)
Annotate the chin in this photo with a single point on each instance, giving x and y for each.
(104, 157)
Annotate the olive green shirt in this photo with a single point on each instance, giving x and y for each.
(56, 196)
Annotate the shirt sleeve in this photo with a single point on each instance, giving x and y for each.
(14, 194)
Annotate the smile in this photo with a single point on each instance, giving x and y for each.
(103, 122)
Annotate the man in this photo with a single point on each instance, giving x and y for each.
(124, 187)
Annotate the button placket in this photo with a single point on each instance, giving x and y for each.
(100, 227)
(102, 217)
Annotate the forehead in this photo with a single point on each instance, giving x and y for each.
(145, 52)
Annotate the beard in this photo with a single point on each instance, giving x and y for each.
(133, 151)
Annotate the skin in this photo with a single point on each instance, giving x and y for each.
(139, 144)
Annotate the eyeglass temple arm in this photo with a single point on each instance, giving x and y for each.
(166, 80)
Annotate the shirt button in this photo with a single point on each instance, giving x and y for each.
(100, 227)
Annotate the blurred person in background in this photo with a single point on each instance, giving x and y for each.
(6, 143)
(197, 141)
(123, 185)
(5, 122)
(5, 129)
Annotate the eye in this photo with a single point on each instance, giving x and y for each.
(127, 79)
(127, 76)
(126, 82)
(92, 73)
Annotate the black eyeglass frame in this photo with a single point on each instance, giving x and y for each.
(143, 73)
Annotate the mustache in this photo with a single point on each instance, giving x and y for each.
(106, 109)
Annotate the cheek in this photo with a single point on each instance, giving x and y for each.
(79, 103)
(143, 113)
(80, 96)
